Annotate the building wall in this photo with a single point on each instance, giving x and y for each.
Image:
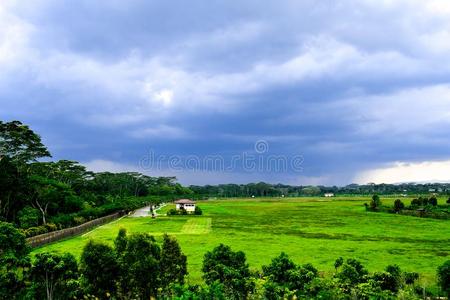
(187, 207)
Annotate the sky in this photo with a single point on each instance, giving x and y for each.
(299, 92)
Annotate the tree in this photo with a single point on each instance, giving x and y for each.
(443, 275)
(53, 274)
(285, 277)
(339, 261)
(139, 265)
(398, 205)
(28, 217)
(20, 143)
(173, 262)
(99, 268)
(120, 243)
(229, 268)
(198, 210)
(279, 269)
(433, 201)
(14, 261)
(375, 202)
(390, 280)
(352, 273)
(410, 277)
(12, 189)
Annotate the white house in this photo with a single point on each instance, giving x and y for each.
(329, 194)
(185, 204)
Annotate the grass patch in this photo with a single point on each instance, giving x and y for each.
(308, 229)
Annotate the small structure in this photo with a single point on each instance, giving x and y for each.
(329, 194)
(185, 204)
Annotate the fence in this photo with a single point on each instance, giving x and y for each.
(54, 236)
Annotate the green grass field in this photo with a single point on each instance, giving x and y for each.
(315, 230)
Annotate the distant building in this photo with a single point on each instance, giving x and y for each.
(329, 194)
(185, 204)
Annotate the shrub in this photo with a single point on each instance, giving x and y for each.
(28, 217)
(375, 202)
(433, 201)
(79, 220)
(398, 205)
(172, 212)
(410, 277)
(198, 211)
(443, 275)
(32, 231)
(51, 227)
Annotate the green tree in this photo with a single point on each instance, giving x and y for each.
(53, 276)
(13, 188)
(351, 273)
(339, 261)
(433, 201)
(198, 210)
(286, 278)
(20, 143)
(443, 275)
(140, 267)
(229, 268)
(14, 261)
(398, 205)
(375, 202)
(99, 269)
(120, 243)
(28, 217)
(173, 262)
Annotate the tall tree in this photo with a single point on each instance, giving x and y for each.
(100, 270)
(53, 274)
(20, 143)
(140, 267)
(229, 268)
(14, 261)
(173, 262)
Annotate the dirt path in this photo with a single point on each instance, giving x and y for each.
(145, 211)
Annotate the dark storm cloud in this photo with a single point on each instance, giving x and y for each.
(350, 85)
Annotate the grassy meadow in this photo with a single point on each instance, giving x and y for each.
(316, 230)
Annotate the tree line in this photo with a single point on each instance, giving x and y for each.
(137, 267)
(263, 189)
(40, 196)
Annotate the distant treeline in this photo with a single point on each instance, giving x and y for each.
(262, 189)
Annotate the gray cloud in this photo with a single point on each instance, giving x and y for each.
(350, 85)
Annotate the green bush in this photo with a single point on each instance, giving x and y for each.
(28, 217)
(198, 211)
(172, 212)
(32, 231)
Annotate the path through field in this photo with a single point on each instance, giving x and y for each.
(145, 211)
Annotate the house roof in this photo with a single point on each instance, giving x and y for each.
(184, 201)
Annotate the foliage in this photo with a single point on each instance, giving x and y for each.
(139, 267)
(443, 275)
(284, 277)
(375, 203)
(230, 269)
(19, 143)
(28, 217)
(54, 276)
(14, 261)
(173, 262)
(198, 211)
(99, 269)
(398, 205)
